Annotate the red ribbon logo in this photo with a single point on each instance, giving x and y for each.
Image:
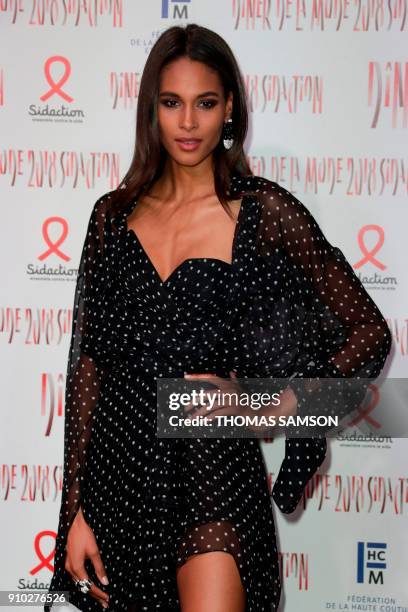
(54, 245)
(45, 561)
(369, 255)
(364, 412)
(56, 86)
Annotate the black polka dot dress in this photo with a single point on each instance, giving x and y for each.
(154, 502)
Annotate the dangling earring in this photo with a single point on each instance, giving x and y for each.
(227, 134)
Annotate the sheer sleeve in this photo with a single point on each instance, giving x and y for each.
(345, 336)
(338, 297)
(352, 338)
(84, 371)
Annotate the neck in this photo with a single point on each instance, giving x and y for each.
(185, 183)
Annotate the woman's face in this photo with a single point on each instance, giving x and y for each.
(191, 110)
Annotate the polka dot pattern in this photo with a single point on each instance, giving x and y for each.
(288, 300)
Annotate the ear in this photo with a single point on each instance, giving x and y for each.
(228, 107)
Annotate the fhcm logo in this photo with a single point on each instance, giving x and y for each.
(371, 562)
(178, 12)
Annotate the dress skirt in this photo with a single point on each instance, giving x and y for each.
(152, 502)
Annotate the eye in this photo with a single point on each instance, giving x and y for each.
(209, 103)
(168, 103)
(171, 103)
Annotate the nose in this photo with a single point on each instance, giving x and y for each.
(188, 119)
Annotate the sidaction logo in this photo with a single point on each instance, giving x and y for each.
(372, 260)
(175, 9)
(43, 558)
(33, 586)
(57, 95)
(49, 271)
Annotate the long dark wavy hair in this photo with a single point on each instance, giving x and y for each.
(203, 45)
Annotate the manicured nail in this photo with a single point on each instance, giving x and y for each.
(105, 580)
(105, 605)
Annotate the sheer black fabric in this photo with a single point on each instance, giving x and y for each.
(309, 316)
(288, 303)
(84, 374)
(342, 330)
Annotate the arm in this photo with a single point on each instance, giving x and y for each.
(353, 338)
(349, 337)
(84, 373)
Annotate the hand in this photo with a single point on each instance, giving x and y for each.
(81, 544)
(225, 385)
(286, 407)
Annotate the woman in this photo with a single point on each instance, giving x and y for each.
(194, 266)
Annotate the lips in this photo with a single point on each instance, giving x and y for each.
(189, 140)
(188, 144)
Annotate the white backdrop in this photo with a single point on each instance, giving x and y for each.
(327, 85)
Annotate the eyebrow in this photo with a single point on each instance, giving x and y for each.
(202, 95)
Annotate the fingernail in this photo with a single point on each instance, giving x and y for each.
(105, 605)
(105, 580)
